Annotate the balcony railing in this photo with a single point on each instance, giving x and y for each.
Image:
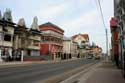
(50, 42)
(34, 47)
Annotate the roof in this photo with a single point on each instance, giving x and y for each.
(86, 36)
(6, 22)
(51, 24)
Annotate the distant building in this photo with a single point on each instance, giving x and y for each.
(83, 44)
(52, 41)
(70, 48)
(81, 39)
(95, 51)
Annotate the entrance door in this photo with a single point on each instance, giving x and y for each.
(29, 52)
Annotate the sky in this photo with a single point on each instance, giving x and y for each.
(73, 16)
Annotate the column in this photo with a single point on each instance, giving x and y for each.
(22, 54)
(10, 52)
(0, 55)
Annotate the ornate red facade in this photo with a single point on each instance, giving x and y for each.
(52, 39)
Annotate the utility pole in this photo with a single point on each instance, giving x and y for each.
(106, 43)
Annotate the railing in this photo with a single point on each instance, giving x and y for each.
(50, 42)
(33, 47)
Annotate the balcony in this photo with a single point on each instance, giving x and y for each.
(34, 47)
(54, 35)
(35, 37)
(5, 43)
(50, 42)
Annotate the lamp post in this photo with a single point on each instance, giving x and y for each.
(106, 57)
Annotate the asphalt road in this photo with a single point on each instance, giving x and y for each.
(37, 72)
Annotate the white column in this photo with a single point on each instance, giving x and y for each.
(22, 53)
(55, 56)
(10, 52)
(0, 55)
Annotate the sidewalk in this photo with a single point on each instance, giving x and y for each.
(105, 73)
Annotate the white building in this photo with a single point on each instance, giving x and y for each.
(83, 44)
(70, 48)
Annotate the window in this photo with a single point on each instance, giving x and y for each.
(7, 38)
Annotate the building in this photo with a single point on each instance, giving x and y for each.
(52, 41)
(28, 40)
(34, 39)
(114, 38)
(95, 51)
(17, 39)
(6, 35)
(81, 39)
(70, 48)
(117, 25)
(83, 44)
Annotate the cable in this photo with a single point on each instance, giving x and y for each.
(102, 16)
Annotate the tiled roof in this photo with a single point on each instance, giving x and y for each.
(51, 24)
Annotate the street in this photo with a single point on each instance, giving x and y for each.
(37, 72)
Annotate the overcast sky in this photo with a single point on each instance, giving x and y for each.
(73, 16)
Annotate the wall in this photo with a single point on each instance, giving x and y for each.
(44, 50)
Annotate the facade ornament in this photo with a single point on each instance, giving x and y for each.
(7, 15)
(21, 22)
(34, 25)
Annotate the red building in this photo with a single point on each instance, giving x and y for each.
(52, 38)
(114, 38)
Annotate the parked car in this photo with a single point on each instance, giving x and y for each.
(97, 57)
(90, 56)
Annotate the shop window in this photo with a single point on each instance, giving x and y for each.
(7, 38)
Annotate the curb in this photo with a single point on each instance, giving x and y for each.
(15, 64)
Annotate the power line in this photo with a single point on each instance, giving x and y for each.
(102, 16)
